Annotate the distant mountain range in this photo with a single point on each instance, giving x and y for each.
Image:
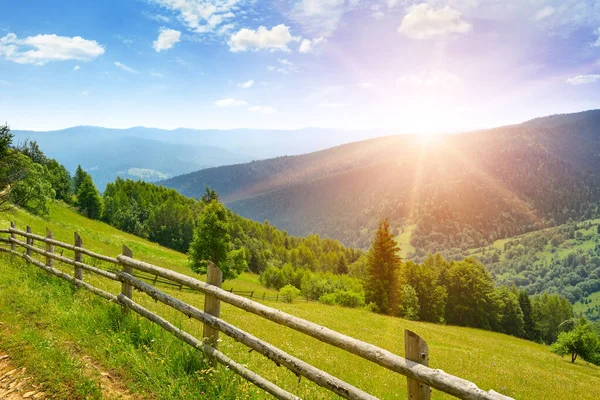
(154, 154)
(455, 191)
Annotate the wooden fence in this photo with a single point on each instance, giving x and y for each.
(132, 273)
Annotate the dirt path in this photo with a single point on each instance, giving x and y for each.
(15, 384)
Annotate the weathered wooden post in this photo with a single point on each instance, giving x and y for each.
(29, 241)
(416, 350)
(13, 245)
(212, 305)
(78, 257)
(126, 288)
(49, 248)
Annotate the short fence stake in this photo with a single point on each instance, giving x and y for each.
(49, 248)
(13, 246)
(416, 350)
(212, 305)
(29, 241)
(126, 288)
(78, 257)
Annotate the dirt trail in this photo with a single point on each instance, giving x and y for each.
(15, 384)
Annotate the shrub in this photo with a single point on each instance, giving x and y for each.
(343, 298)
(288, 293)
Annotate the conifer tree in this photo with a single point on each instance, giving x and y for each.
(383, 265)
(88, 198)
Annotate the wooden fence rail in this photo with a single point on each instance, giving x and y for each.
(132, 274)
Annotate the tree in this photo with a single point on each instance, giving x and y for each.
(31, 149)
(28, 185)
(409, 306)
(78, 178)
(209, 195)
(342, 266)
(89, 201)
(528, 325)
(212, 243)
(61, 181)
(383, 264)
(6, 138)
(581, 341)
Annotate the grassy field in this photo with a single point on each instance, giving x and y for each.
(403, 240)
(515, 367)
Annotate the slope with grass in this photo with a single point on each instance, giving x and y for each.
(66, 319)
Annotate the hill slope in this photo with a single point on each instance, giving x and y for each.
(513, 366)
(461, 191)
(154, 154)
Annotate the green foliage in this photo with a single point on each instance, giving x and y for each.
(549, 311)
(209, 196)
(89, 201)
(211, 241)
(6, 139)
(409, 303)
(383, 264)
(31, 149)
(581, 341)
(288, 293)
(344, 298)
(78, 178)
(30, 187)
(61, 181)
(424, 278)
(170, 223)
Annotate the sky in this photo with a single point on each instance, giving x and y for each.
(398, 65)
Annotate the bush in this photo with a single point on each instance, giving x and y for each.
(343, 298)
(288, 293)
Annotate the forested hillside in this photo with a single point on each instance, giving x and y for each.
(461, 191)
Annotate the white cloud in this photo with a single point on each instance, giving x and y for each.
(583, 79)
(76, 68)
(230, 103)
(41, 49)
(167, 38)
(543, 13)
(85, 93)
(312, 46)
(157, 17)
(5, 83)
(431, 79)
(125, 68)
(365, 85)
(321, 16)
(263, 109)
(276, 38)
(156, 74)
(201, 16)
(423, 21)
(246, 85)
(285, 68)
(392, 3)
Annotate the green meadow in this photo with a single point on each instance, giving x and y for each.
(43, 316)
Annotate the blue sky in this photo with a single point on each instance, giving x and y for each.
(401, 65)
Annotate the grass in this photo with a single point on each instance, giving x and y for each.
(512, 366)
(403, 240)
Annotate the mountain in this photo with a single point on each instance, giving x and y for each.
(457, 191)
(153, 154)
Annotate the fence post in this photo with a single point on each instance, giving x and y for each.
(78, 257)
(29, 241)
(126, 288)
(49, 248)
(416, 350)
(13, 246)
(212, 305)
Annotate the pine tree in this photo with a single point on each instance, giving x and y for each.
(342, 267)
(78, 179)
(88, 199)
(209, 195)
(383, 265)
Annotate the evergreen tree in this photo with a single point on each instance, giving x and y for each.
(89, 201)
(78, 178)
(383, 265)
(209, 195)
(6, 139)
(528, 325)
(342, 267)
